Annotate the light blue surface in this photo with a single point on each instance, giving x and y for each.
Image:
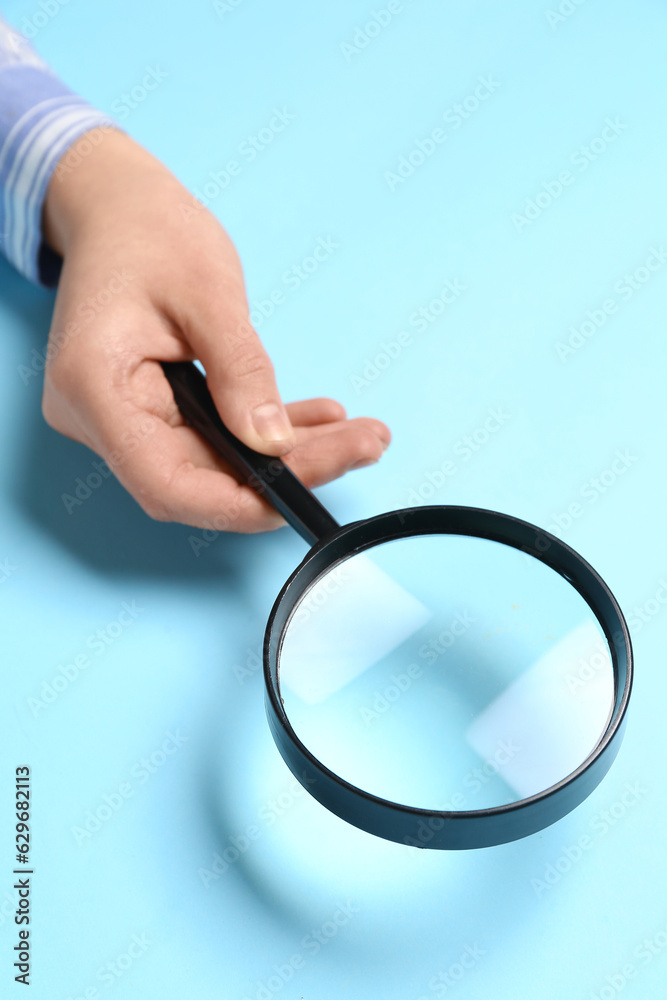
(541, 917)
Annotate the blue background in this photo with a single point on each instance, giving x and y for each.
(541, 917)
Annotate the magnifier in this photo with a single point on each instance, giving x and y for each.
(443, 677)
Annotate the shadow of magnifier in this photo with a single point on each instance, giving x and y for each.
(441, 676)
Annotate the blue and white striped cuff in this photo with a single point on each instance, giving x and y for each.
(39, 119)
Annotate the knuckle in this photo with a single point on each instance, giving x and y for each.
(154, 499)
(155, 507)
(332, 409)
(58, 373)
(164, 495)
(249, 362)
(368, 442)
(51, 409)
(48, 409)
(377, 429)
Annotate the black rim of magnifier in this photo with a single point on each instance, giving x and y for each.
(431, 828)
(332, 543)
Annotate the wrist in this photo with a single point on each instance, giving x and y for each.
(105, 178)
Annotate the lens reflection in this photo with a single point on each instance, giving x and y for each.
(446, 672)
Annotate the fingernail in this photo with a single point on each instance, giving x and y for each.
(271, 423)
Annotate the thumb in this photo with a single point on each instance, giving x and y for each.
(242, 381)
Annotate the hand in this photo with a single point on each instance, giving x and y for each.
(141, 283)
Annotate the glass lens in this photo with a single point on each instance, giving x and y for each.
(446, 672)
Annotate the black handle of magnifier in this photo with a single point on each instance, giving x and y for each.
(267, 475)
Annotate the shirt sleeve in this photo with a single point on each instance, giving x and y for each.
(39, 119)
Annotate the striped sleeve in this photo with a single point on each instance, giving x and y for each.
(39, 119)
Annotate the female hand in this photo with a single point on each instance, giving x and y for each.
(141, 284)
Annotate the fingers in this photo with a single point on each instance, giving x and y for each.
(185, 299)
(360, 424)
(309, 412)
(239, 371)
(130, 418)
(174, 477)
(134, 424)
(320, 458)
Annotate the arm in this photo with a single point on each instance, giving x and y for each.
(143, 281)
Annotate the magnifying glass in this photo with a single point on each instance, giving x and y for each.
(441, 676)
